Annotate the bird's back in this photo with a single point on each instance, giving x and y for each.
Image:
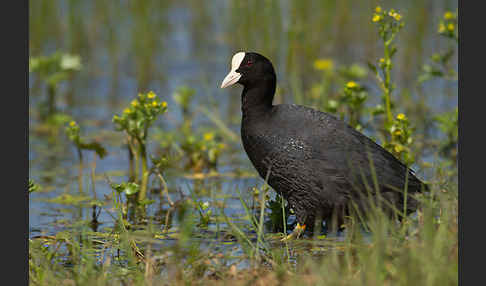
(313, 156)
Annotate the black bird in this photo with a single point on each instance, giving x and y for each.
(317, 162)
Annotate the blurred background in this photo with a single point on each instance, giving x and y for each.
(122, 48)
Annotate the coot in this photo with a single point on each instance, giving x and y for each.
(323, 167)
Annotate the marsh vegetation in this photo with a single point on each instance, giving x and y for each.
(137, 175)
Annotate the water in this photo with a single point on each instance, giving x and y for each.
(137, 46)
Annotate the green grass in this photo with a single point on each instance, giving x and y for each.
(423, 250)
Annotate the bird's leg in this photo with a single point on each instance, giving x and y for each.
(296, 233)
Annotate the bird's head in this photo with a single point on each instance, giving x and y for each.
(249, 69)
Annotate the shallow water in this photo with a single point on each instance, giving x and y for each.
(153, 45)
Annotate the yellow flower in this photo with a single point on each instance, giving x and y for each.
(450, 27)
(351, 84)
(378, 9)
(398, 148)
(208, 136)
(401, 116)
(154, 103)
(163, 104)
(397, 132)
(382, 60)
(72, 123)
(151, 94)
(376, 18)
(323, 64)
(221, 145)
(448, 15)
(397, 16)
(127, 110)
(134, 103)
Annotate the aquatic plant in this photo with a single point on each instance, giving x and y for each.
(448, 124)
(205, 213)
(396, 131)
(135, 123)
(183, 96)
(440, 67)
(279, 212)
(448, 26)
(326, 93)
(52, 70)
(191, 149)
(73, 133)
(198, 240)
(351, 103)
(202, 150)
(33, 187)
(440, 62)
(389, 24)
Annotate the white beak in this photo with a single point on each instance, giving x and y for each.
(230, 79)
(233, 76)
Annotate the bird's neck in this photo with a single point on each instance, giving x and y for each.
(257, 99)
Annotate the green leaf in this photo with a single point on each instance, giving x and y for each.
(131, 188)
(127, 188)
(357, 71)
(393, 51)
(70, 62)
(379, 109)
(95, 146)
(117, 187)
(372, 67)
(33, 186)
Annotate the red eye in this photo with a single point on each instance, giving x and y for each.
(249, 63)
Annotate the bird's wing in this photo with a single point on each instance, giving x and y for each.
(339, 149)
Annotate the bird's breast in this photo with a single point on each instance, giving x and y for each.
(273, 154)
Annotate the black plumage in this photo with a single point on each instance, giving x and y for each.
(317, 162)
